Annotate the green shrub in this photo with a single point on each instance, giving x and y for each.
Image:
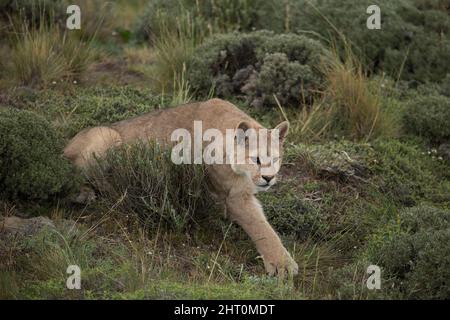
(445, 86)
(289, 214)
(413, 255)
(429, 117)
(142, 180)
(211, 16)
(410, 252)
(333, 193)
(413, 41)
(256, 66)
(409, 174)
(31, 163)
(73, 110)
(352, 187)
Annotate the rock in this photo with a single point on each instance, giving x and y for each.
(24, 227)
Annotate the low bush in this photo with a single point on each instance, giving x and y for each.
(31, 163)
(257, 66)
(289, 214)
(412, 254)
(429, 117)
(142, 180)
(211, 16)
(77, 108)
(413, 42)
(411, 174)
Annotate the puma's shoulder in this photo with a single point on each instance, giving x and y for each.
(218, 113)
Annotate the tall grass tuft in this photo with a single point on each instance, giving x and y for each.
(357, 109)
(350, 106)
(172, 50)
(142, 180)
(45, 53)
(181, 92)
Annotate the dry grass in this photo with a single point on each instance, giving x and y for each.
(98, 19)
(45, 53)
(142, 180)
(350, 105)
(172, 50)
(138, 55)
(357, 108)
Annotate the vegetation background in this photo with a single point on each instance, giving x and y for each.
(366, 178)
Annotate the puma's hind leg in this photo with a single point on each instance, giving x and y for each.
(85, 145)
(89, 142)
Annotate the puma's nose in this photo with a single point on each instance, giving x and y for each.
(267, 178)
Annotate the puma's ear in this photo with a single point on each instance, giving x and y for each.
(241, 130)
(283, 129)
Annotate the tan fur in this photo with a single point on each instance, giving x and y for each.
(235, 185)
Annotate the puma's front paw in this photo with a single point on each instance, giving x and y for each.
(277, 263)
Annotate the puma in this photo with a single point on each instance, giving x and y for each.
(234, 184)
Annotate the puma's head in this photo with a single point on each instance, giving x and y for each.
(263, 158)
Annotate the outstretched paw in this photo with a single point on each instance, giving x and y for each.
(280, 264)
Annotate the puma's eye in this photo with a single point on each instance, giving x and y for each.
(256, 160)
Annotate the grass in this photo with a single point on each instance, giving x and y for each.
(350, 106)
(348, 179)
(44, 54)
(348, 192)
(172, 50)
(119, 261)
(142, 180)
(122, 258)
(357, 110)
(71, 107)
